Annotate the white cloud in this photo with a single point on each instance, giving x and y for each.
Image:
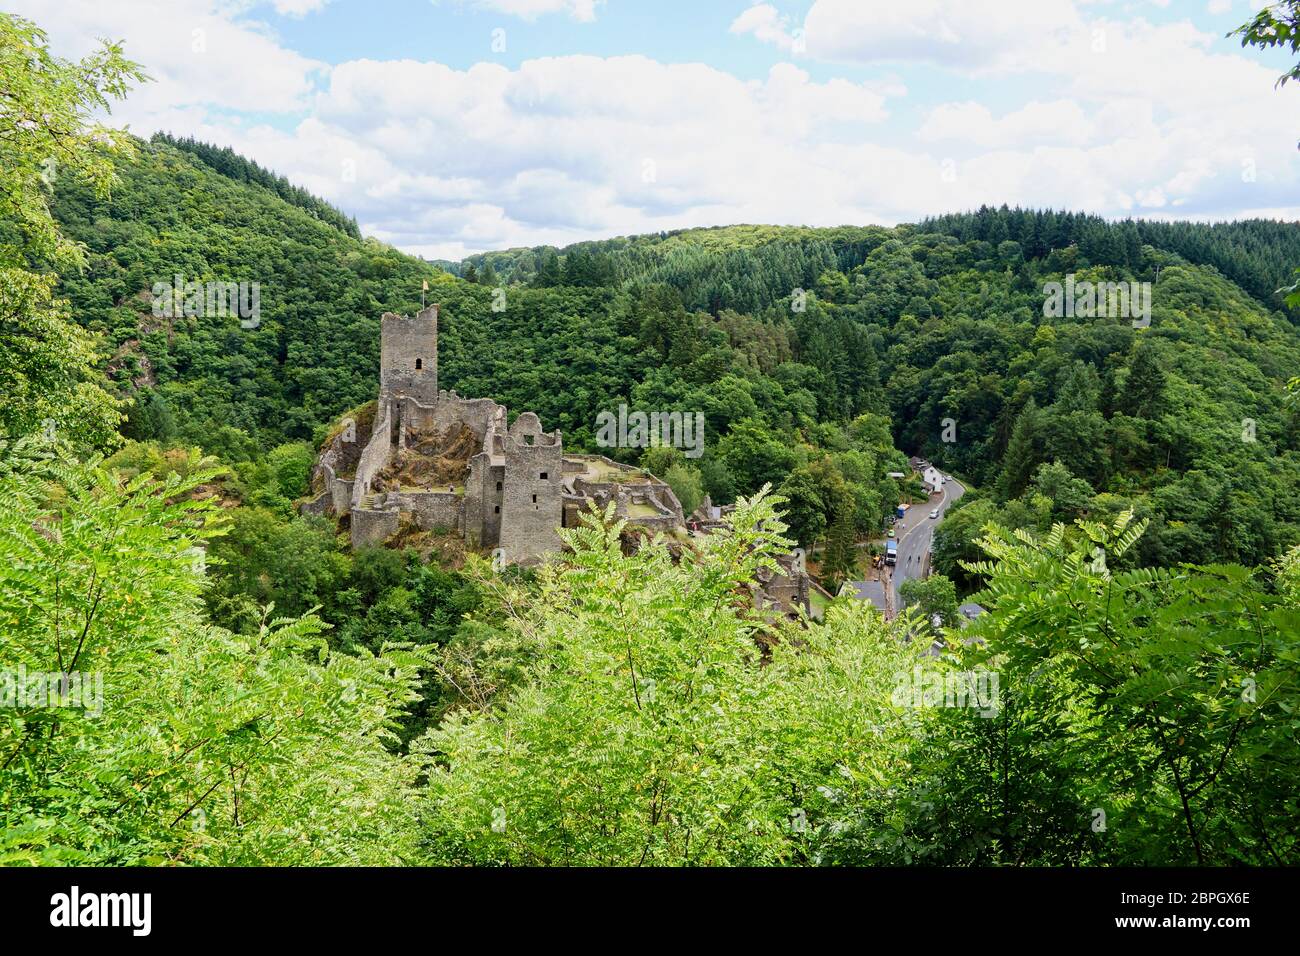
(566, 147)
(974, 35)
(1132, 114)
(584, 11)
(767, 24)
(1059, 122)
(298, 8)
(444, 161)
(198, 54)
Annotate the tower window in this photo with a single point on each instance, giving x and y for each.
(496, 510)
(498, 486)
(419, 364)
(542, 476)
(534, 499)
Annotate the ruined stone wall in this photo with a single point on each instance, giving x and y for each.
(664, 523)
(449, 409)
(574, 506)
(341, 491)
(322, 504)
(786, 589)
(340, 456)
(484, 495)
(372, 526)
(632, 481)
(533, 503)
(335, 496)
(666, 498)
(375, 458)
(326, 483)
(432, 509)
(408, 355)
(325, 472)
(659, 496)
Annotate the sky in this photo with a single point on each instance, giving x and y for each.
(457, 126)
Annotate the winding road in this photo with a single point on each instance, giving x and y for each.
(916, 531)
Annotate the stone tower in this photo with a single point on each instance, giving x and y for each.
(532, 505)
(408, 356)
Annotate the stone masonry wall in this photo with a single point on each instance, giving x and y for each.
(375, 458)
(373, 527)
(484, 492)
(533, 505)
(341, 492)
(408, 355)
(449, 409)
(321, 504)
(432, 509)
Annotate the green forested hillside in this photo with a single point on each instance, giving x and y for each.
(810, 351)
(230, 164)
(1255, 253)
(315, 350)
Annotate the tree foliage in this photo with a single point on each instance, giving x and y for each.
(198, 745)
(646, 732)
(50, 379)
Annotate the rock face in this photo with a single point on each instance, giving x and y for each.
(453, 464)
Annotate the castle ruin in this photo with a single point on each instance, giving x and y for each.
(455, 464)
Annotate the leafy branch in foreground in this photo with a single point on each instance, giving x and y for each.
(46, 104)
(46, 132)
(649, 732)
(1277, 25)
(1179, 689)
(192, 744)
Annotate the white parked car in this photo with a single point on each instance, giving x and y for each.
(934, 513)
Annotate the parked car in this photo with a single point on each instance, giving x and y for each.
(934, 513)
(891, 533)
